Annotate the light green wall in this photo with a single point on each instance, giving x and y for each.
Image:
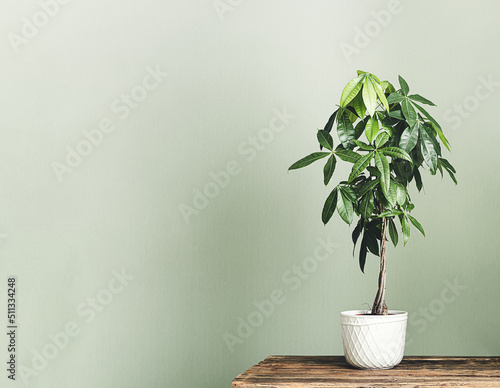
(120, 208)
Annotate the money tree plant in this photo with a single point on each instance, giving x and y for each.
(400, 138)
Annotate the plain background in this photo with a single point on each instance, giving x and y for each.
(120, 208)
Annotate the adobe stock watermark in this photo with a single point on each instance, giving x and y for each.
(292, 279)
(87, 312)
(31, 27)
(223, 6)
(249, 149)
(363, 37)
(422, 318)
(122, 106)
(483, 91)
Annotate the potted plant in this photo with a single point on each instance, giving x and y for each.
(400, 139)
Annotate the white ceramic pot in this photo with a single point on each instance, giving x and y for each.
(373, 341)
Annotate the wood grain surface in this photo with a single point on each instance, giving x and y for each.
(333, 371)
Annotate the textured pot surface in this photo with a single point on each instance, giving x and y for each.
(373, 341)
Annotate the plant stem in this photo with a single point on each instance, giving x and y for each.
(379, 307)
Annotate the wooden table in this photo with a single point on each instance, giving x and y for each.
(333, 371)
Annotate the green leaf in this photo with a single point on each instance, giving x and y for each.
(409, 138)
(359, 129)
(371, 129)
(440, 168)
(345, 131)
(406, 229)
(371, 242)
(441, 135)
(353, 115)
(385, 172)
(436, 126)
(403, 170)
(388, 128)
(349, 193)
(358, 105)
(329, 206)
(351, 90)
(347, 155)
(449, 169)
(381, 139)
(390, 213)
(388, 122)
(366, 206)
(344, 206)
(393, 233)
(396, 152)
(394, 139)
(368, 187)
(329, 169)
(325, 139)
(360, 165)
(381, 95)
(447, 165)
(363, 146)
(331, 121)
(387, 87)
(452, 176)
(362, 254)
(369, 96)
(357, 180)
(397, 114)
(409, 112)
(404, 86)
(428, 150)
(419, 98)
(375, 226)
(373, 171)
(418, 179)
(380, 197)
(416, 224)
(308, 160)
(356, 233)
(394, 98)
(393, 194)
(400, 194)
(428, 128)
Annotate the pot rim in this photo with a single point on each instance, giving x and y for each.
(396, 315)
(354, 313)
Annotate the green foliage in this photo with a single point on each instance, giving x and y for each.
(400, 139)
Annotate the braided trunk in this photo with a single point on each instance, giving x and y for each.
(379, 307)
